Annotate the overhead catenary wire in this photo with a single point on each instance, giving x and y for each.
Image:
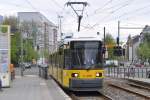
(34, 8)
(104, 19)
(107, 3)
(117, 5)
(109, 8)
(135, 12)
(106, 16)
(132, 12)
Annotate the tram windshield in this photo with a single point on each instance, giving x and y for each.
(86, 55)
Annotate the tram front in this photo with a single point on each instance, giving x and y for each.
(86, 66)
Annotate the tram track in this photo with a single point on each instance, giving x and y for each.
(139, 86)
(131, 91)
(86, 95)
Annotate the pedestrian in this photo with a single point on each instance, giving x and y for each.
(12, 71)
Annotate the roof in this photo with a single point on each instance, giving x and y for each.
(136, 38)
(146, 29)
(34, 16)
(83, 39)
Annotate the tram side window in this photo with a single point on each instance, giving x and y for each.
(50, 59)
(67, 58)
(60, 58)
(54, 60)
(57, 59)
(56, 63)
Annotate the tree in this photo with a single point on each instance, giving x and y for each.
(109, 40)
(15, 48)
(146, 37)
(144, 48)
(29, 52)
(15, 39)
(12, 21)
(29, 39)
(28, 47)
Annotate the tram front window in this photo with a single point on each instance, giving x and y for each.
(86, 55)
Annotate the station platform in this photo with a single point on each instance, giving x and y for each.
(32, 87)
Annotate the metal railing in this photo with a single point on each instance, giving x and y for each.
(127, 72)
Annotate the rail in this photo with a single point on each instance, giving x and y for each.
(139, 86)
(96, 96)
(130, 91)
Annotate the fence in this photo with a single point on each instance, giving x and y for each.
(127, 72)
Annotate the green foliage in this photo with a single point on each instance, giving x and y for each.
(12, 21)
(147, 37)
(144, 49)
(30, 53)
(4, 29)
(109, 40)
(15, 40)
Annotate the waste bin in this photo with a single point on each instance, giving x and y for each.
(43, 71)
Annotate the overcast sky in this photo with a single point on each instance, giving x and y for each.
(99, 13)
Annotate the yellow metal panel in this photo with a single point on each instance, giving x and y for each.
(50, 70)
(63, 76)
(83, 74)
(59, 75)
(55, 72)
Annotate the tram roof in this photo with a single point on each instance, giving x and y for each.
(83, 39)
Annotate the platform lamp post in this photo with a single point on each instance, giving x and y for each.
(21, 51)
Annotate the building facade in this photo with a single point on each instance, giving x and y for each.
(35, 26)
(133, 44)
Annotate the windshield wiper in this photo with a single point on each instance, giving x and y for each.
(90, 67)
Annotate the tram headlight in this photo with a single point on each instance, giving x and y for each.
(98, 74)
(75, 75)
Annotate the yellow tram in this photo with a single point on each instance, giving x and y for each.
(78, 64)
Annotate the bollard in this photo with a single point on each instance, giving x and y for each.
(142, 72)
(0, 85)
(39, 71)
